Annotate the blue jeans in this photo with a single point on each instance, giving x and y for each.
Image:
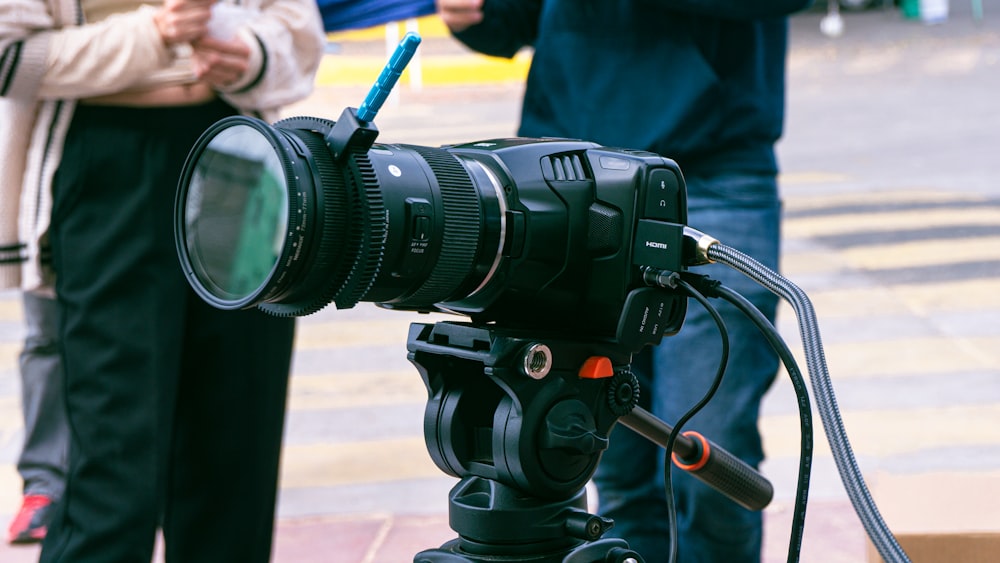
(741, 211)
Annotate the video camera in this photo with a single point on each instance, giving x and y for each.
(546, 245)
(542, 234)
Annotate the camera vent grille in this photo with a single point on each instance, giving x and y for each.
(564, 168)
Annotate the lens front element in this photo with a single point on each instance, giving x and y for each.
(235, 213)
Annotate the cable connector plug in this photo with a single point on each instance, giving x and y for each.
(655, 277)
(672, 280)
(695, 247)
(703, 284)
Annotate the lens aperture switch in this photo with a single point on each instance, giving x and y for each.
(421, 228)
(418, 213)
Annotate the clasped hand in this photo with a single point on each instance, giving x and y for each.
(459, 15)
(218, 62)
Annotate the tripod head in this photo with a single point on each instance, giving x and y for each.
(540, 417)
(522, 419)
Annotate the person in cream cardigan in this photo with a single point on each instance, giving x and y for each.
(175, 409)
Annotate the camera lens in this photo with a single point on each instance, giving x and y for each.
(267, 217)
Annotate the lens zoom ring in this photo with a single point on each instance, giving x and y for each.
(370, 231)
(462, 224)
(329, 261)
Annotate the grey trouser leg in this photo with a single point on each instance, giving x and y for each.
(42, 463)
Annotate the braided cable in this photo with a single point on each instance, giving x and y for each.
(843, 455)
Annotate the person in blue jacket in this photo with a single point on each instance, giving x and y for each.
(701, 82)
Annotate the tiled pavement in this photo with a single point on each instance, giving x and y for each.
(892, 228)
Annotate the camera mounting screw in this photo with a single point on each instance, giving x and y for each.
(537, 361)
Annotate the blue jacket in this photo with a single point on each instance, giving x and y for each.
(701, 82)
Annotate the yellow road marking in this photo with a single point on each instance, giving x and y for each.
(890, 432)
(347, 390)
(327, 465)
(807, 227)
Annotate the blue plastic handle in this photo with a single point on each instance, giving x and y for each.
(390, 75)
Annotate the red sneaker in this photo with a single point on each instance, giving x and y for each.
(32, 521)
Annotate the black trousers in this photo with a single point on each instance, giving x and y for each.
(176, 409)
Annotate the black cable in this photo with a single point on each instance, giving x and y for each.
(716, 382)
(706, 286)
(805, 410)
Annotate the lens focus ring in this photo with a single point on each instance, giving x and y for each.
(462, 226)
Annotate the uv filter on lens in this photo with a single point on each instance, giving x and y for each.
(235, 213)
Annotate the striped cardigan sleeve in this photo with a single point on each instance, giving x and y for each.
(39, 62)
(289, 35)
(22, 55)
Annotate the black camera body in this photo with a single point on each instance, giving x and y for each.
(549, 235)
(577, 222)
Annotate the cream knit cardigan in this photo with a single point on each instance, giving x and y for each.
(49, 58)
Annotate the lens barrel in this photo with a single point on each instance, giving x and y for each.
(406, 226)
